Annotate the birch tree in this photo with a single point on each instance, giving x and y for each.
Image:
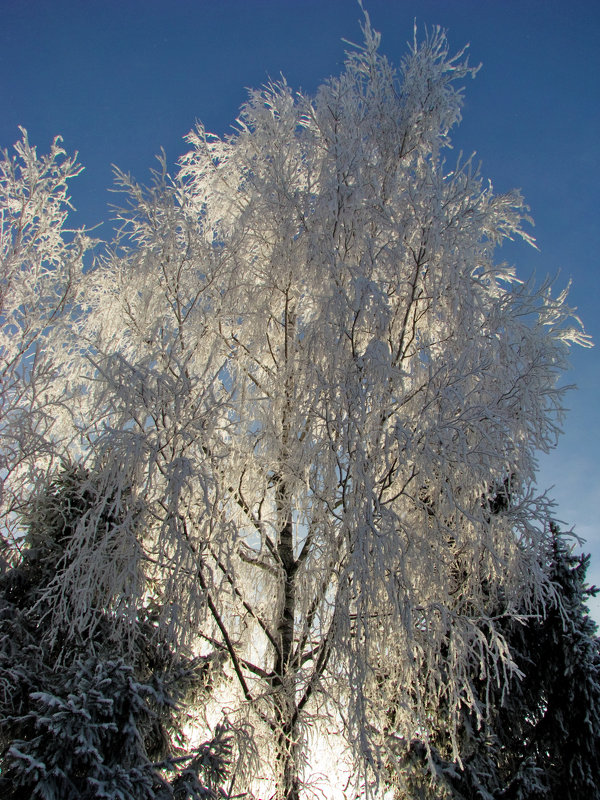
(302, 365)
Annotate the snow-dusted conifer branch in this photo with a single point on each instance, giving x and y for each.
(303, 369)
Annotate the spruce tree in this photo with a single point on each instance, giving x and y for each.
(542, 737)
(84, 714)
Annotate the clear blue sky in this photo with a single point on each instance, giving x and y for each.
(119, 79)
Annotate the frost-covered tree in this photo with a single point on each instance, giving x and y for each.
(301, 376)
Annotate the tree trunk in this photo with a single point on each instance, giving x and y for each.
(286, 712)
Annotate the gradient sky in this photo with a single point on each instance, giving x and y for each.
(119, 79)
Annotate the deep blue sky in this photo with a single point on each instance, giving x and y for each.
(119, 79)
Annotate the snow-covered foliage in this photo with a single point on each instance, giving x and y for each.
(302, 382)
(541, 738)
(84, 716)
